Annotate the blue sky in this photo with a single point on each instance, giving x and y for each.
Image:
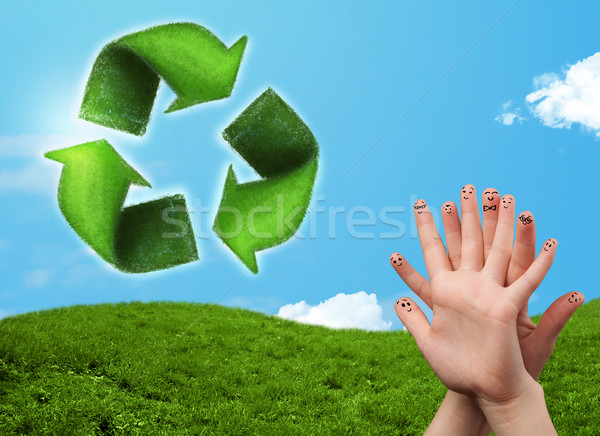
(352, 73)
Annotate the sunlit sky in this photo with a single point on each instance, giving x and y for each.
(407, 100)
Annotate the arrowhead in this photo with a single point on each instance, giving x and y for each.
(99, 154)
(230, 181)
(236, 51)
(228, 227)
(229, 61)
(249, 259)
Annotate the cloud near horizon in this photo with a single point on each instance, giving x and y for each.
(359, 310)
(560, 102)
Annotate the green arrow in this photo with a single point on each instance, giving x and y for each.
(275, 141)
(140, 238)
(122, 86)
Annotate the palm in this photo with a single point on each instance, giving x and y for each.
(461, 301)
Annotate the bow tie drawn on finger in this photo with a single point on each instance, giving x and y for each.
(486, 208)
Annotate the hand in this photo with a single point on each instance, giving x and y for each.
(537, 342)
(472, 343)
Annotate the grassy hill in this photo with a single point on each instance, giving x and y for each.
(179, 368)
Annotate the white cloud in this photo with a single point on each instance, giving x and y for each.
(359, 310)
(37, 278)
(509, 117)
(559, 103)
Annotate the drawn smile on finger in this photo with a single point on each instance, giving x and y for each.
(396, 259)
(549, 244)
(467, 191)
(405, 303)
(507, 200)
(574, 297)
(420, 206)
(490, 194)
(448, 208)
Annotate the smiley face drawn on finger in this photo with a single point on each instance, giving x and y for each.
(490, 200)
(574, 297)
(405, 303)
(507, 201)
(448, 208)
(396, 260)
(420, 206)
(490, 194)
(549, 244)
(467, 191)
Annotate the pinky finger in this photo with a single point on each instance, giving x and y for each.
(415, 281)
(413, 319)
(555, 318)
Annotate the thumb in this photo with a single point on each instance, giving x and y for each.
(554, 319)
(413, 319)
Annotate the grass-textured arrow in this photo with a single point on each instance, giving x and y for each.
(140, 238)
(275, 141)
(122, 86)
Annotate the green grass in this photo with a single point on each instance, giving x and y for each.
(140, 368)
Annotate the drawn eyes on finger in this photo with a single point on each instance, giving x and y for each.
(490, 198)
(507, 201)
(490, 195)
(396, 260)
(420, 206)
(525, 219)
(405, 304)
(550, 244)
(448, 208)
(574, 297)
(467, 191)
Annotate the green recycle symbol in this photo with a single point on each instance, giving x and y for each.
(120, 93)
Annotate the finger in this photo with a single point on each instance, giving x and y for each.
(497, 262)
(434, 251)
(472, 239)
(522, 289)
(523, 253)
(415, 281)
(490, 201)
(413, 319)
(452, 231)
(554, 319)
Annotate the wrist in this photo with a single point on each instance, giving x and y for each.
(524, 413)
(457, 415)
